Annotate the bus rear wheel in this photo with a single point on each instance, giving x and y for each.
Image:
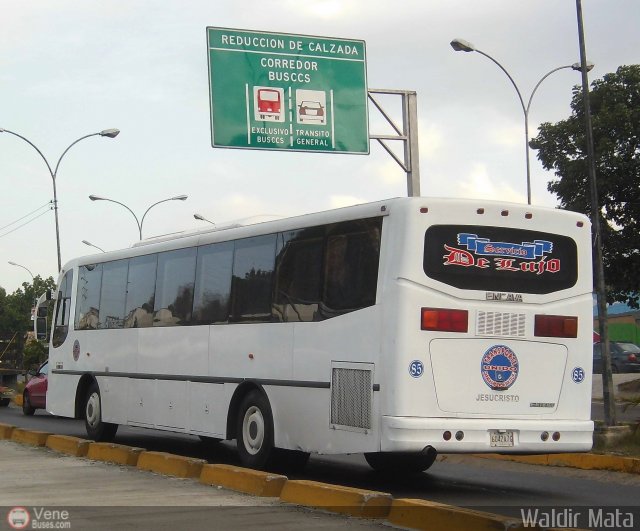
(254, 431)
(406, 463)
(96, 428)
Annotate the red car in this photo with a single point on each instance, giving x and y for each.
(35, 392)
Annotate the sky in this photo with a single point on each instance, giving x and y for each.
(69, 68)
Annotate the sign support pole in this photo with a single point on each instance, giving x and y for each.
(408, 135)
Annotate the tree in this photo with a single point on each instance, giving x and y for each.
(15, 313)
(615, 113)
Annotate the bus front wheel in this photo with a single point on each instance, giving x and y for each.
(401, 462)
(254, 431)
(96, 428)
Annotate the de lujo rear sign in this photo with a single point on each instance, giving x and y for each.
(287, 92)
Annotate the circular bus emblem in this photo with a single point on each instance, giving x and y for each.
(76, 350)
(499, 367)
(416, 368)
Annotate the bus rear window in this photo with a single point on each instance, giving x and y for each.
(485, 258)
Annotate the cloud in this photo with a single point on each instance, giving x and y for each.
(339, 201)
(479, 184)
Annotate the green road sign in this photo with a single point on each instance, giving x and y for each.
(287, 92)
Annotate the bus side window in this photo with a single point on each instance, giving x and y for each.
(351, 268)
(88, 297)
(141, 291)
(63, 308)
(253, 266)
(213, 283)
(174, 287)
(298, 285)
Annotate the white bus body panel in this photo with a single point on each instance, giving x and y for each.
(178, 390)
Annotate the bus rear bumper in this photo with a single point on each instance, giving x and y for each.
(451, 435)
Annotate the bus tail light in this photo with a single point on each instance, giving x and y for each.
(443, 320)
(556, 326)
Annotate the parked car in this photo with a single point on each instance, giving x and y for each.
(35, 392)
(6, 394)
(625, 357)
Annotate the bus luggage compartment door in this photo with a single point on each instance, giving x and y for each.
(494, 377)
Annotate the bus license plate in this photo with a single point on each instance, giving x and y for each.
(501, 439)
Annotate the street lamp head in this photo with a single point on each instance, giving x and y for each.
(578, 66)
(111, 133)
(179, 198)
(12, 263)
(200, 217)
(460, 45)
(96, 198)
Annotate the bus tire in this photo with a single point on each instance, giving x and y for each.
(96, 429)
(406, 463)
(255, 439)
(27, 408)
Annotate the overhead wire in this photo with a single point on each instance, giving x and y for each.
(48, 203)
(26, 222)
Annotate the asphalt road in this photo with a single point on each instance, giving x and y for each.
(500, 487)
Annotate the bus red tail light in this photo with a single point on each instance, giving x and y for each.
(443, 320)
(556, 326)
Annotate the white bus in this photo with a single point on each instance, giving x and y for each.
(398, 329)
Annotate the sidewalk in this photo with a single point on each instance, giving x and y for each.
(102, 496)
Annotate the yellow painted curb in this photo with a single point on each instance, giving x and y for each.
(171, 465)
(336, 498)
(424, 514)
(34, 438)
(114, 453)
(68, 445)
(615, 463)
(6, 430)
(244, 480)
(18, 400)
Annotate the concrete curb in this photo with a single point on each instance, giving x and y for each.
(34, 438)
(244, 480)
(337, 499)
(408, 513)
(424, 514)
(6, 430)
(68, 445)
(615, 463)
(114, 453)
(171, 465)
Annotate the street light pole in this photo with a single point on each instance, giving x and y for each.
(23, 267)
(460, 45)
(109, 133)
(601, 293)
(141, 221)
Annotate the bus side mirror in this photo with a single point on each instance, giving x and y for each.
(41, 328)
(48, 295)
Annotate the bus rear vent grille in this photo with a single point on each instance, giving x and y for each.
(351, 396)
(502, 324)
